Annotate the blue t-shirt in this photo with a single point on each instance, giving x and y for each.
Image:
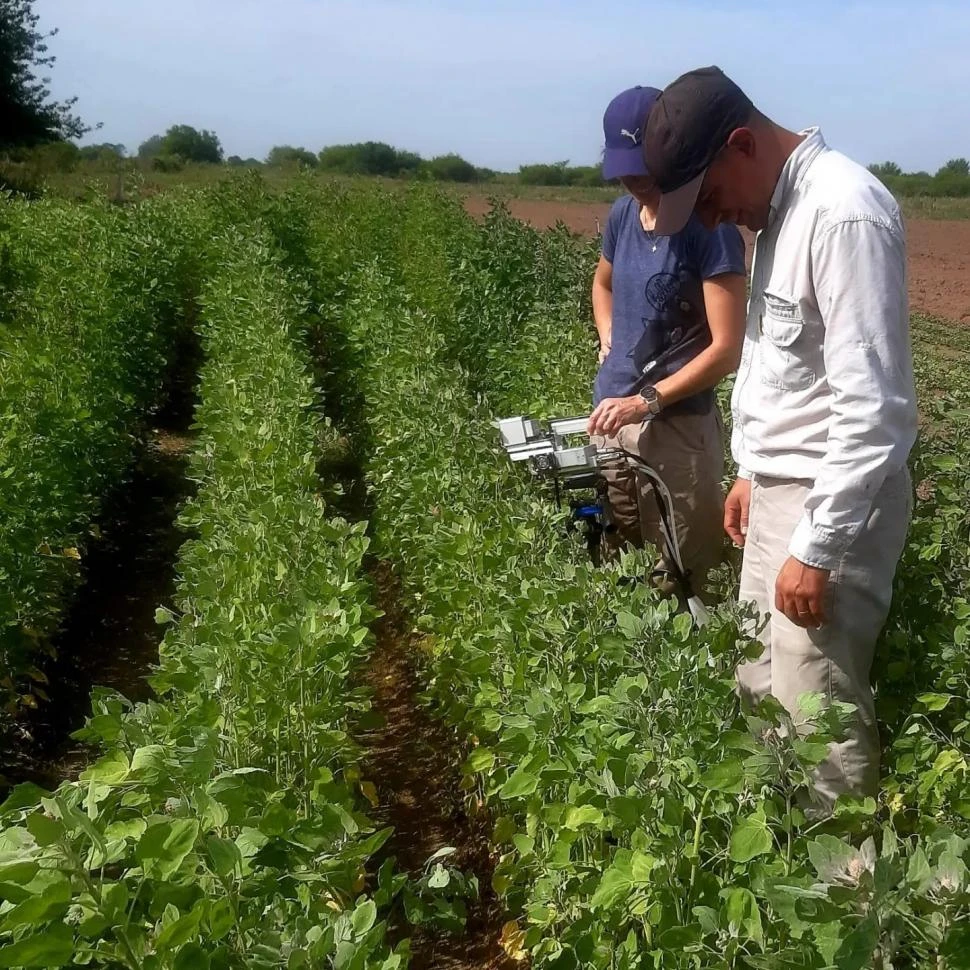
(659, 318)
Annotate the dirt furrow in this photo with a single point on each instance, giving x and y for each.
(412, 758)
(109, 637)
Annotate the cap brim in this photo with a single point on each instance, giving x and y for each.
(676, 207)
(621, 163)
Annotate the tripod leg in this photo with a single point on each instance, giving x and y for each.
(595, 541)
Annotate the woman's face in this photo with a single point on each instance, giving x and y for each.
(642, 187)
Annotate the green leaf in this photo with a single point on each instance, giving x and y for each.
(742, 914)
(678, 937)
(628, 810)
(810, 753)
(520, 784)
(191, 957)
(19, 873)
(250, 841)
(148, 762)
(112, 769)
(918, 872)
(114, 900)
(181, 931)
(26, 795)
(524, 844)
(446, 850)
(577, 817)
(750, 838)
(641, 865)
(857, 947)
(440, 877)
(481, 759)
(935, 702)
(831, 857)
(631, 626)
(51, 903)
(504, 829)
(224, 853)
(164, 846)
(683, 624)
(52, 948)
(613, 887)
(132, 829)
(364, 917)
(728, 776)
(221, 919)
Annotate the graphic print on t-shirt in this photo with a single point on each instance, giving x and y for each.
(676, 325)
(658, 321)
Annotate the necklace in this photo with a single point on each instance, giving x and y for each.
(648, 229)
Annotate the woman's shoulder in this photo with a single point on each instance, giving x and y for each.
(622, 209)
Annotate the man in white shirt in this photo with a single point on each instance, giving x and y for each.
(824, 404)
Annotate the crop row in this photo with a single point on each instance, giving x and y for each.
(642, 820)
(91, 301)
(221, 825)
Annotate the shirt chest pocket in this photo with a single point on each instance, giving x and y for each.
(790, 351)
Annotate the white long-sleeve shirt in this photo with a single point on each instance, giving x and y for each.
(825, 389)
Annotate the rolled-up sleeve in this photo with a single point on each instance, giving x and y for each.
(859, 267)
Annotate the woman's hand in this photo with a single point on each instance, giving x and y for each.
(612, 413)
(605, 348)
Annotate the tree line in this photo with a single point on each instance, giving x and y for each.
(184, 145)
(949, 181)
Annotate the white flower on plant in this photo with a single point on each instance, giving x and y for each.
(949, 877)
(841, 864)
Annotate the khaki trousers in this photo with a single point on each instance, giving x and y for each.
(835, 660)
(687, 452)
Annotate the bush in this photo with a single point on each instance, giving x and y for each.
(104, 154)
(286, 156)
(368, 158)
(543, 174)
(168, 163)
(560, 173)
(184, 140)
(451, 168)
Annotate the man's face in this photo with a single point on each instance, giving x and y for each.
(733, 189)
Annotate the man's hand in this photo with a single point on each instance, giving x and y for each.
(800, 593)
(612, 413)
(736, 507)
(605, 347)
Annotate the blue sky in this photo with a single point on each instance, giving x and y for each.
(506, 83)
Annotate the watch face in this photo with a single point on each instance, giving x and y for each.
(650, 395)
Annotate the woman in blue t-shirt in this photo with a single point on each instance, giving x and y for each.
(670, 314)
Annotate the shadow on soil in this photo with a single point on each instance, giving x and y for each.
(413, 757)
(109, 637)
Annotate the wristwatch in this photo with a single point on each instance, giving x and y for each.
(652, 397)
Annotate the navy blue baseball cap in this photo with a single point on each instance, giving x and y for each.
(624, 123)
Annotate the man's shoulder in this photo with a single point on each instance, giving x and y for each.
(845, 191)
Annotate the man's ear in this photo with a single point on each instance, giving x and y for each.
(742, 140)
